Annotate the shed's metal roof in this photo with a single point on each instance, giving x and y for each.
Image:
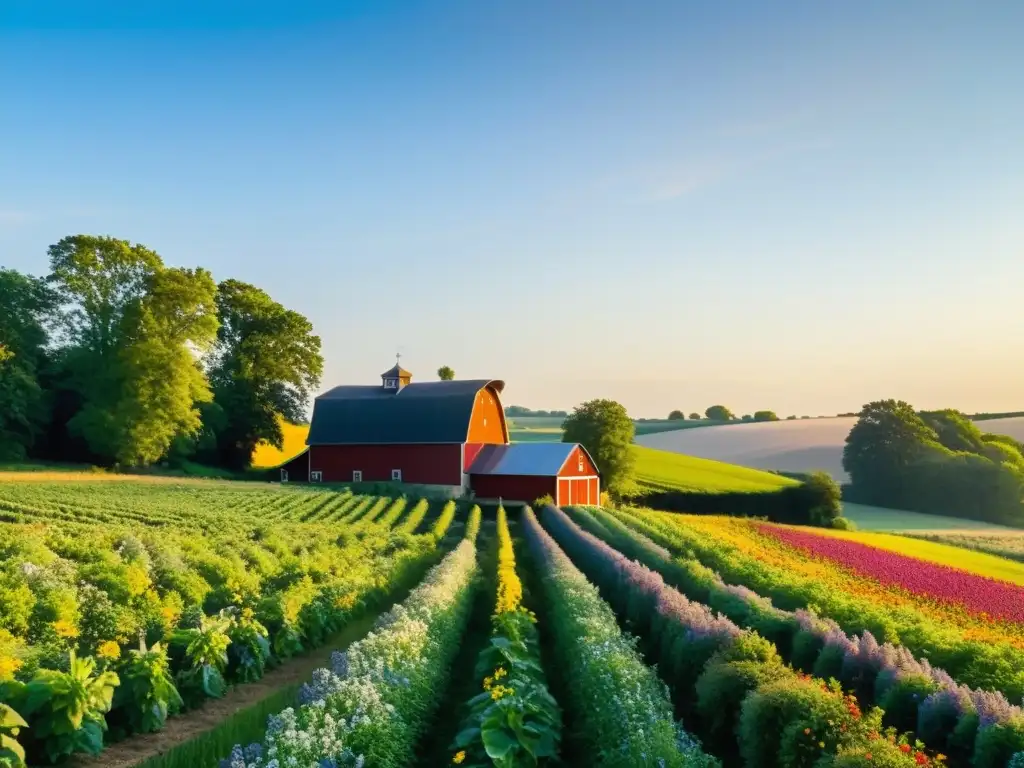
(427, 412)
(544, 459)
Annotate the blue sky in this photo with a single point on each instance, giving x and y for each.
(797, 206)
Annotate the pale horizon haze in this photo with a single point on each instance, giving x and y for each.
(793, 206)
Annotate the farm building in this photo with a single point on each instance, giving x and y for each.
(451, 435)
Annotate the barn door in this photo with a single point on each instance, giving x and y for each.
(564, 491)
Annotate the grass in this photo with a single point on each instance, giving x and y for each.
(884, 519)
(674, 471)
(266, 455)
(934, 552)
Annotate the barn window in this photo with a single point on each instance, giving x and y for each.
(390, 383)
(396, 475)
(284, 475)
(579, 462)
(315, 477)
(485, 422)
(357, 475)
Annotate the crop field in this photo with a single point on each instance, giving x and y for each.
(578, 637)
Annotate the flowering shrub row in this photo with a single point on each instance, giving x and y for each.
(170, 616)
(984, 596)
(734, 681)
(914, 695)
(377, 699)
(615, 699)
(976, 652)
(514, 722)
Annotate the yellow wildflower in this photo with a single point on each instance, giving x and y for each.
(8, 666)
(500, 692)
(108, 650)
(65, 628)
(459, 756)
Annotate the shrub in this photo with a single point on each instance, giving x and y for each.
(843, 524)
(65, 710)
(996, 745)
(146, 694)
(794, 721)
(11, 752)
(543, 501)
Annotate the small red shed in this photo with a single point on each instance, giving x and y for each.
(527, 471)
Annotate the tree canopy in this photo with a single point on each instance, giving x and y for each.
(695, 416)
(719, 413)
(676, 416)
(933, 461)
(445, 373)
(118, 358)
(264, 366)
(604, 428)
(765, 416)
(26, 307)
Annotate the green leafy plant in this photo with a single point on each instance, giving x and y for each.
(147, 692)
(249, 651)
(12, 754)
(65, 709)
(207, 655)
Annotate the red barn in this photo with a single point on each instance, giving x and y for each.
(448, 434)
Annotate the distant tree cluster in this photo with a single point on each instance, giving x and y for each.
(116, 358)
(445, 373)
(676, 416)
(934, 461)
(519, 410)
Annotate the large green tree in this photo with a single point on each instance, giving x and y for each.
(134, 331)
(676, 415)
(264, 367)
(604, 428)
(26, 305)
(765, 416)
(888, 438)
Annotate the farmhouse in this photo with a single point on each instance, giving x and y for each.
(451, 435)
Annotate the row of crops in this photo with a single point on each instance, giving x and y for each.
(617, 637)
(709, 672)
(109, 626)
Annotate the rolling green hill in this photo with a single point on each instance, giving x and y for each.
(673, 471)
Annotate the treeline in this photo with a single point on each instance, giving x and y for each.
(117, 359)
(933, 461)
(519, 410)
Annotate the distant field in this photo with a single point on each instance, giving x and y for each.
(672, 471)
(1009, 544)
(789, 446)
(883, 519)
(267, 455)
(546, 428)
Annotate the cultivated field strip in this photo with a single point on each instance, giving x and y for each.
(746, 701)
(216, 584)
(909, 690)
(976, 651)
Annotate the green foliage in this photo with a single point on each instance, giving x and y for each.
(604, 428)
(934, 461)
(997, 744)
(695, 416)
(134, 327)
(26, 306)
(719, 413)
(65, 710)
(146, 694)
(843, 524)
(765, 416)
(264, 367)
(445, 373)
(676, 416)
(249, 651)
(12, 754)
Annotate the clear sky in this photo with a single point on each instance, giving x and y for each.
(796, 206)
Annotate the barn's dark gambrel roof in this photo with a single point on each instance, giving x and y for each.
(396, 372)
(427, 412)
(534, 459)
